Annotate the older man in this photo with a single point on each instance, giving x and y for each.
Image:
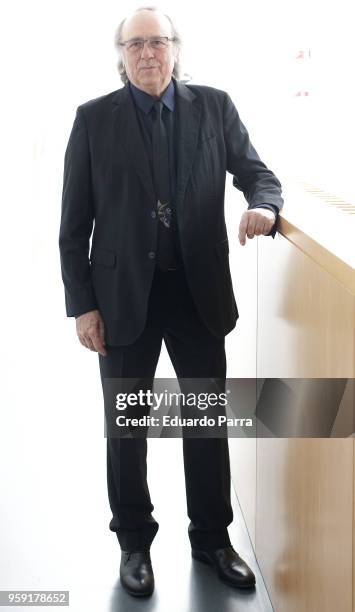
(147, 163)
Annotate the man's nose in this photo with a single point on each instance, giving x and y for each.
(146, 51)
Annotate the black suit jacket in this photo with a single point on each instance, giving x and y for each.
(108, 192)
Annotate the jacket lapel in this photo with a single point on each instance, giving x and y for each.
(128, 135)
(189, 126)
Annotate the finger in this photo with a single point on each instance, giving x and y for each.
(102, 335)
(260, 228)
(243, 228)
(100, 347)
(98, 338)
(97, 341)
(267, 228)
(251, 227)
(84, 341)
(89, 343)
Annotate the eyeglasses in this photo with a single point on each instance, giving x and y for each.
(158, 43)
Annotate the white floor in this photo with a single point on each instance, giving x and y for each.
(55, 534)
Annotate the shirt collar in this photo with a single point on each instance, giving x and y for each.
(145, 101)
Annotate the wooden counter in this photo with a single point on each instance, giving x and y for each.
(302, 522)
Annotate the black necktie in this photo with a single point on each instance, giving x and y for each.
(161, 165)
(161, 174)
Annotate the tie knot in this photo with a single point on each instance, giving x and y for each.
(158, 105)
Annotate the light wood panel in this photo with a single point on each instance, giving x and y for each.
(304, 523)
(304, 536)
(305, 316)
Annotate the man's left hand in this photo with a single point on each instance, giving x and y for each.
(255, 222)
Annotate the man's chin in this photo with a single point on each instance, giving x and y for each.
(147, 77)
(149, 74)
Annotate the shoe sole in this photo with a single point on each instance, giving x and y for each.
(200, 556)
(136, 593)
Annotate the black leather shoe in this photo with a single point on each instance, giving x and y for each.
(136, 573)
(230, 566)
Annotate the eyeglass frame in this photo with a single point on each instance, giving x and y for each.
(147, 40)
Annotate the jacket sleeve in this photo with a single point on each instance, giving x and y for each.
(77, 219)
(250, 174)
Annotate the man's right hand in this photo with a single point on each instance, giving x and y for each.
(91, 331)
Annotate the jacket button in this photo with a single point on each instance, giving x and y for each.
(153, 214)
(151, 254)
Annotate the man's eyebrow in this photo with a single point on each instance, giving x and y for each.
(141, 37)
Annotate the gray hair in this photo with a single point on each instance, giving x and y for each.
(175, 34)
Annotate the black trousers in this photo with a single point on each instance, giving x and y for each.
(195, 353)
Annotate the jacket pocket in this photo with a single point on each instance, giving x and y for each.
(103, 257)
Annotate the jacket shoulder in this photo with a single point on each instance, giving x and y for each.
(99, 102)
(206, 91)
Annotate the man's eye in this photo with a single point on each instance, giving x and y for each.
(134, 45)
